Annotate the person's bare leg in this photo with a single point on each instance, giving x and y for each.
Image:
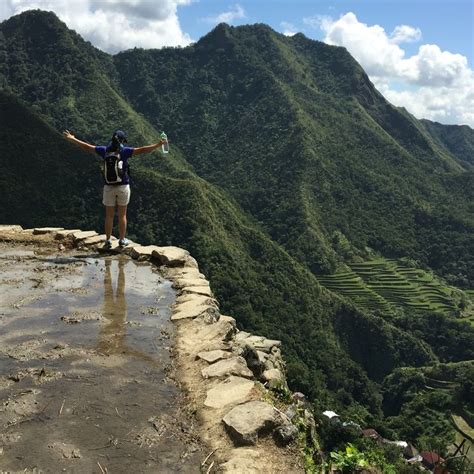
(122, 221)
(109, 220)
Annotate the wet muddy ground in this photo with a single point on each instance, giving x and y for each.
(85, 368)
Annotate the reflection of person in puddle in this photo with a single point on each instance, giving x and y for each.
(112, 333)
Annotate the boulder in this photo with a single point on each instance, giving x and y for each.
(246, 422)
(232, 390)
(230, 366)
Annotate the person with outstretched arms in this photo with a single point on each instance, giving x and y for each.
(116, 194)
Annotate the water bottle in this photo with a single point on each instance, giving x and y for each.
(165, 148)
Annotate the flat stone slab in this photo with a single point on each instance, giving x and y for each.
(143, 251)
(214, 356)
(208, 337)
(230, 391)
(198, 290)
(62, 234)
(83, 234)
(231, 366)
(46, 230)
(241, 335)
(174, 273)
(192, 311)
(186, 282)
(185, 297)
(94, 240)
(11, 228)
(246, 421)
(174, 257)
(192, 307)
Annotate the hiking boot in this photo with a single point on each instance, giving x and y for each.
(108, 244)
(123, 242)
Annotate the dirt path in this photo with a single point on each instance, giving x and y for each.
(85, 369)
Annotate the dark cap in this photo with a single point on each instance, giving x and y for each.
(121, 136)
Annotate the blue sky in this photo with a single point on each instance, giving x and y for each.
(418, 53)
(447, 23)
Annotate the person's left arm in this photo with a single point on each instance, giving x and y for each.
(147, 148)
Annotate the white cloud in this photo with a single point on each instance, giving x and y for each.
(405, 34)
(288, 28)
(439, 85)
(114, 25)
(235, 13)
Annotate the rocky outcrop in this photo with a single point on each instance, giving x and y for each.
(233, 379)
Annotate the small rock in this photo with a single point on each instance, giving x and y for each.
(253, 361)
(272, 375)
(299, 397)
(286, 434)
(291, 411)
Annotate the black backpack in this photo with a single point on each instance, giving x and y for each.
(114, 170)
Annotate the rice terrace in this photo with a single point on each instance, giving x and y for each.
(389, 284)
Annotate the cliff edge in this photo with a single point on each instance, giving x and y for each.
(244, 416)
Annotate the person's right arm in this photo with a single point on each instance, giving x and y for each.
(84, 145)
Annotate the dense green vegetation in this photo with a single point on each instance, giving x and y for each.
(286, 165)
(427, 398)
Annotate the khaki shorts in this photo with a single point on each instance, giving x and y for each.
(116, 195)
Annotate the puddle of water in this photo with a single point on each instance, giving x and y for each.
(84, 364)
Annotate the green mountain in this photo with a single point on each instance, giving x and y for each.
(286, 166)
(296, 133)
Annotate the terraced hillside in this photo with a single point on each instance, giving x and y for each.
(385, 284)
(469, 311)
(353, 286)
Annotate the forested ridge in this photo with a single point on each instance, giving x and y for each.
(286, 164)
